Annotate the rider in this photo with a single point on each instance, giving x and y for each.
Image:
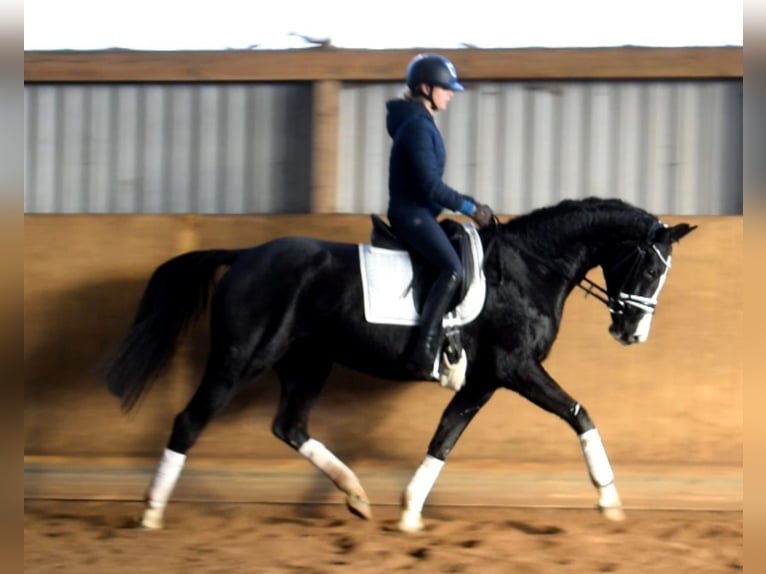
(417, 194)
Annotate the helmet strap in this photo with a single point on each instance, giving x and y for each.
(429, 97)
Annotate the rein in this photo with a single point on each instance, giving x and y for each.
(602, 295)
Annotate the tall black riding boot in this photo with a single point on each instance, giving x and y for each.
(430, 336)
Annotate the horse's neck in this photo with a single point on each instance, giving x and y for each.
(597, 229)
(560, 248)
(554, 249)
(569, 261)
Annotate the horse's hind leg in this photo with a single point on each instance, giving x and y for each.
(540, 388)
(218, 385)
(302, 374)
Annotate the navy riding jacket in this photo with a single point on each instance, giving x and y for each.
(416, 164)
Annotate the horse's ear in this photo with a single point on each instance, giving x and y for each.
(680, 230)
(663, 234)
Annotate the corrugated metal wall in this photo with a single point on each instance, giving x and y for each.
(168, 148)
(670, 147)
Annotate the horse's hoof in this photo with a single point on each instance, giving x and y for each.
(359, 506)
(410, 523)
(613, 513)
(151, 520)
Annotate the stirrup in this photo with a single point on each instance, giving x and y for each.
(452, 375)
(452, 362)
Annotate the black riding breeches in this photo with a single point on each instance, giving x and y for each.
(423, 235)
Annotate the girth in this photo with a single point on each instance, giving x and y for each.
(423, 274)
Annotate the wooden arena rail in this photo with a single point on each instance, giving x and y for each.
(319, 64)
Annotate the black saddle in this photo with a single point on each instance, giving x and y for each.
(423, 274)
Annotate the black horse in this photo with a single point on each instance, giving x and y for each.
(295, 304)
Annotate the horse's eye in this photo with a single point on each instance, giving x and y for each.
(651, 273)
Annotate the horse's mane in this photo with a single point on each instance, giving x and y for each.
(572, 217)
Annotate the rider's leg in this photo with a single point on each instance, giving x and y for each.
(429, 337)
(425, 236)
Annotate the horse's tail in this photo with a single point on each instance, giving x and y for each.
(177, 292)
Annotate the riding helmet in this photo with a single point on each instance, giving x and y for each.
(433, 70)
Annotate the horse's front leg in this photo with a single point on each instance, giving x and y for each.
(459, 412)
(536, 385)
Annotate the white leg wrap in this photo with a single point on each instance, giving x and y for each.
(421, 484)
(321, 457)
(165, 479)
(595, 457)
(608, 497)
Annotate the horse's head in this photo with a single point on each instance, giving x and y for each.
(635, 272)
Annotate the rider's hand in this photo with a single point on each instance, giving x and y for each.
(483, 215)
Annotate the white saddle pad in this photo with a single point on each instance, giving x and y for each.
(387, 286)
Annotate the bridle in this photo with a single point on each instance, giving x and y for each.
(619, 304)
